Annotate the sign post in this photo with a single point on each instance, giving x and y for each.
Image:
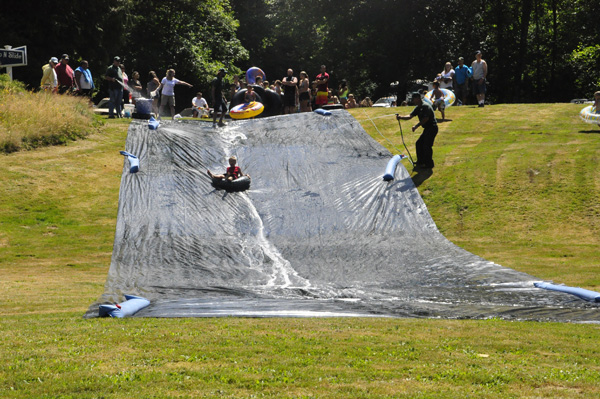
(12, 57)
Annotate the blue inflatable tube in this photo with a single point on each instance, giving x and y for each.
(590, 296)
(131, 306)
(134, 162)
(153, 124)
(323, 112)
(390, 169)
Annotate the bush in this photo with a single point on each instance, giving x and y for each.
(30, 120)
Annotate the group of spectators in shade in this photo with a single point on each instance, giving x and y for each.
(59, 77)
(122, 89)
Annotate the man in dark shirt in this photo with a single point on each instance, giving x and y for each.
(219, 103)
(114, 76)
(290, 93)
(64, 75)
(430, 129)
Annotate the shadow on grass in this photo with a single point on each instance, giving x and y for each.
(421, 176)
(590, 131)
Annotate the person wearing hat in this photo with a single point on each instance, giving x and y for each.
(427, 120)
(49, 81)
(219, 102)
(65, 75)
(480, 71)
(114, 76)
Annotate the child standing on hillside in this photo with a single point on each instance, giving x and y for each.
(437, 97)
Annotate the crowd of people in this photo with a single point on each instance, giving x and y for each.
(462, 78)
(298, 93)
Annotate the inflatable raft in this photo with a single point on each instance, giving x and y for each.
(239, 184)
(590, 115)
(247, 110)
(449, 97)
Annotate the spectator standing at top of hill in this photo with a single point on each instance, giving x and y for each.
(114, 76)
(49, 81)
(290, 92)
(126, 91)
(304, 92)
(135, 86)
(322, 82)
(480, 71)
(151, 90)
(65, 75)
(447, 77)
(168, 91)
(462, 73)
(219, 102)
(83, 80)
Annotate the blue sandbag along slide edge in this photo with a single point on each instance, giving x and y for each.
(590, 296)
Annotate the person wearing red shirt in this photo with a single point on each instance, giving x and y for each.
(233, 171)
(65, 75)
(322, 87)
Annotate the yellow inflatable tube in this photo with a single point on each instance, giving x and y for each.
(247, 110)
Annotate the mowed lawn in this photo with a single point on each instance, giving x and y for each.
(515, 184)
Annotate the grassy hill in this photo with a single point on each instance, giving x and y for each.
(516, 184)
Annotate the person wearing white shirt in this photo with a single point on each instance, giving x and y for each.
(168, 91)
(200, 106)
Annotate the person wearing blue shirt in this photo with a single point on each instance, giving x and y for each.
(462, 73)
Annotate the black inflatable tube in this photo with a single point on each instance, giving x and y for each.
(239, 184)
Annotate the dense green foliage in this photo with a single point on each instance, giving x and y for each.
(375, 42)
(536, 49)
(194, 37)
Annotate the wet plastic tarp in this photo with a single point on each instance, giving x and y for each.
(319, 233)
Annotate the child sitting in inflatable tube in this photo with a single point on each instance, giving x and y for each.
(596, 107)
(233, 172)
(437, 97)
(250, 95)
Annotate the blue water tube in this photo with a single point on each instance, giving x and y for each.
(153, 124)
(131, 306)
(134, 162)
(390, 169)
(323, 112)
(254, 72)
(590, 296)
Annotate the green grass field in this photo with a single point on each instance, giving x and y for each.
(515, 184)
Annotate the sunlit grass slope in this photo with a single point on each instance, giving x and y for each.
(516, 184)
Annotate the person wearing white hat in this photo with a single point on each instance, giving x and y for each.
(49, 80)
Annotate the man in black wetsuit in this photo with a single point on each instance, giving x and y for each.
(430, 129)
(219, 103)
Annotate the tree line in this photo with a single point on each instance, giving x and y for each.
(537, 50)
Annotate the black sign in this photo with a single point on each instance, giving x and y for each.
(13, 57)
